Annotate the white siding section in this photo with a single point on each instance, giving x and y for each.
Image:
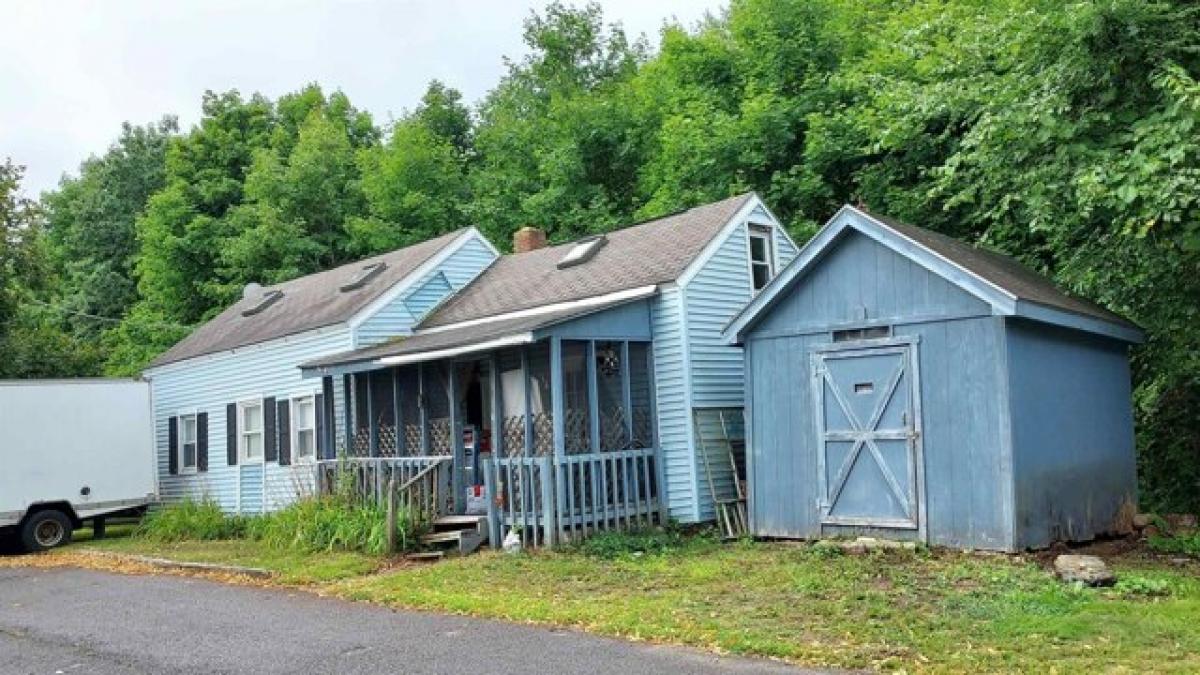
(671, 398)
(208, 384)
(400, 315)
(785, 250)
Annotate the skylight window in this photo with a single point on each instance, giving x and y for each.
(264, 302)
(366, 274)
(583, 251)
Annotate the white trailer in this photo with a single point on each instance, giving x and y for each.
(73, 451)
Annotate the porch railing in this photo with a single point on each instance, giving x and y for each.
(423, 482)
(547, 500)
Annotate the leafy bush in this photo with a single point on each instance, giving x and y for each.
(191, 520)
(331, 524)
(1188, 544)
(1143, 586)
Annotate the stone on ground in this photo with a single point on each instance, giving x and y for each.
(1088, 569)
(864, 545)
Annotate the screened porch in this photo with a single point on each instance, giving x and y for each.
(552, 439)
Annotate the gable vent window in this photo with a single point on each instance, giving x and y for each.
(264, 302)
(583, 251)
(852, 334)
(366, 274)
(762, 256)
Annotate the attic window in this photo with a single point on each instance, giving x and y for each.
(264, 302)
(583, 251)
(368, 273)
(762, 256)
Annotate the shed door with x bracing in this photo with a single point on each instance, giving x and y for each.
(867, 451)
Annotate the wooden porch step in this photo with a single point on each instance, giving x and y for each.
(460, 522)
(438, 537)
(461, 542)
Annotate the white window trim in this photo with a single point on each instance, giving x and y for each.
(293, 431)
(241, 433)
(764, 231)
(180, 468)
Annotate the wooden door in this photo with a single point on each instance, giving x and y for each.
(868, 430)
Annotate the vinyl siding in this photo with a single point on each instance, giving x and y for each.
(673, 407)
(208, 384)
(423, 294)
(718, 292)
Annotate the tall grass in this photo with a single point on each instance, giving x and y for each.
(311, 524)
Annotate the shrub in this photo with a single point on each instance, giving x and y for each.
(310, 524)
(1188, 544)
(191, 520)
(331, 524)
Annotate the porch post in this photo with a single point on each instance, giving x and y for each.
(660, 472)
(593, 397)
(372, 419)
(528, 416)
(456, 444)
(558, 403)
(421, 404)
(329, 417)
(400, 451)
(558, 408)
(497, 410)
(627, 393)
(348, 413)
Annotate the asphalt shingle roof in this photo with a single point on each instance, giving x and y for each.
(653, 252)
(1003, 271)
(650, 253)
(308, 302)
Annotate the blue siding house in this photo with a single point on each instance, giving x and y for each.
(234, 419)
(904, 384)
(563, 382)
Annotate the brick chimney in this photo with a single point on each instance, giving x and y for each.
(528, 239)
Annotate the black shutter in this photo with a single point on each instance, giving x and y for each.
(202, 441)
(270, 453)
(319, 413)
(231, 450)
(285, 436)
(172, 445)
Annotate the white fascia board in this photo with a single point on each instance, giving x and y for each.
(727, 229)
(487, 345)
(596, 300)
(406, 284)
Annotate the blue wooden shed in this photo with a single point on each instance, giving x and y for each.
(902, 383)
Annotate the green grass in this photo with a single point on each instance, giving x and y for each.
(925, 611)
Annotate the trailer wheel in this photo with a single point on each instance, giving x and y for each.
(46, 529)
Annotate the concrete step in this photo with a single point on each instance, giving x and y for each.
(461, 542)
(439, 537)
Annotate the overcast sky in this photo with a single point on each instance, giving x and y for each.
(71, 72)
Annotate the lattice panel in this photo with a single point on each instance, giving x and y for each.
(514, 435)
(612, 429)
(412, 439)
(578, 433)
(387, 441)
(543, 434)
(361, 446)
(439, 437)
(643, 429)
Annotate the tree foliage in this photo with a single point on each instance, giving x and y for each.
(1062, 133)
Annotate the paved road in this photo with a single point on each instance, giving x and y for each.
(81, 621)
